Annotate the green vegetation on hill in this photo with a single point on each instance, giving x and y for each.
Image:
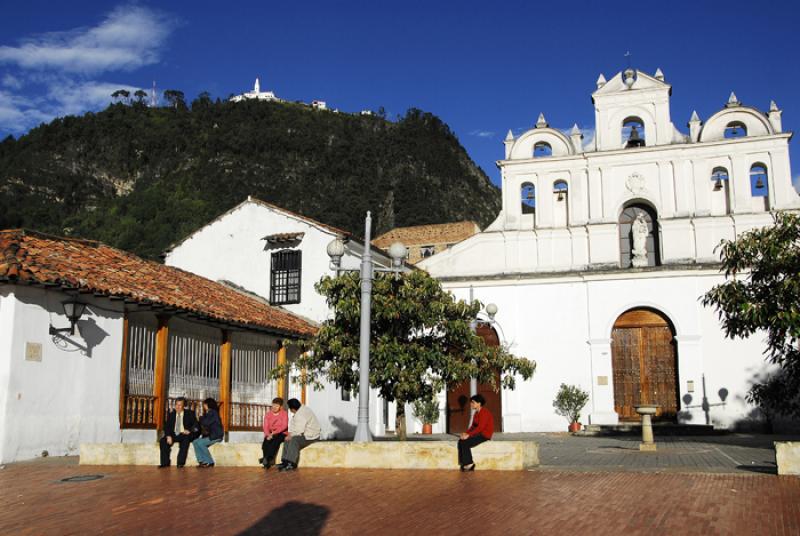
(140, 178)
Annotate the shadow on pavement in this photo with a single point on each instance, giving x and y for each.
(295, 518)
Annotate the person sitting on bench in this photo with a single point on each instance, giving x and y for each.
(181, 428)
(303, 430)
(276, 424)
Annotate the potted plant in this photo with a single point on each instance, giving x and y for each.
(569, 402)
(427, 410)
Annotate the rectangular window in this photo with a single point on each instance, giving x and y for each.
(285, 277)
(426, 251)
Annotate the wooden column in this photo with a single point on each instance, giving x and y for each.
(123, 372)
(283, 390)
(161, 372)
(303, 387)
(225, 380)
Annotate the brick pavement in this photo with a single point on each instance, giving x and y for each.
(144, 500)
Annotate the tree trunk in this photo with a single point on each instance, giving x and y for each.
(400, 421)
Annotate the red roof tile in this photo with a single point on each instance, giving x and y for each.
(422, 235)
(36, 258)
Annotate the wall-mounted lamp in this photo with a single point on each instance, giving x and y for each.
(73, 310)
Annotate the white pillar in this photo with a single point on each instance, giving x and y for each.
(602, 403)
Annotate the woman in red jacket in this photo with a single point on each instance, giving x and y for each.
(480, 431)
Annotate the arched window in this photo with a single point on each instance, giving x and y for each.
(636, 248)
(735, 129)
(542, 149)
(719, 178)
(560, 204)
(720, 192)
(633, 132)
(758, 180)
(528, 198)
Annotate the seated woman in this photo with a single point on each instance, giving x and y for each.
(481, 430)
(276, 423)
(211, 430)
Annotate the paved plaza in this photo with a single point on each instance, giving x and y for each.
(581, 488)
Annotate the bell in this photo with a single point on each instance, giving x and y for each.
(531, 196)
(560, 196)
(760, 183)
(718, 185)
(633, 139)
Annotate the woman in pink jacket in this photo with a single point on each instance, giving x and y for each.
(276, 424)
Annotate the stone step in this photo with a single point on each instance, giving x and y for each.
(659, 429)
(491, 455)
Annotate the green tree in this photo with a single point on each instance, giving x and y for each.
(121, 95)
(762, 293)
(140, 95)
(175, 98)
(421, 341)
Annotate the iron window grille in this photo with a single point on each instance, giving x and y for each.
(285, 277)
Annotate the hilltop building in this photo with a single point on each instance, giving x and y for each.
(603, 247)
(423, 241)
(257, 94)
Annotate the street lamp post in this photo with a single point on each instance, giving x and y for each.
(491, 312)
(397, 252)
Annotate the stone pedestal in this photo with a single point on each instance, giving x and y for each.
(647, 411)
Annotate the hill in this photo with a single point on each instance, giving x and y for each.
(139, 178)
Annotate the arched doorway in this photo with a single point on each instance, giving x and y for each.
(645, 364)
(458, 412)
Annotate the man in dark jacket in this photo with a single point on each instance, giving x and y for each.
(181, 428)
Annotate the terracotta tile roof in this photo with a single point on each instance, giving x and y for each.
(423, 235)
(36, 258)
(282, 238)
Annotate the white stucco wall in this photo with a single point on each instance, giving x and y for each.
(72, 394)
(565, 323)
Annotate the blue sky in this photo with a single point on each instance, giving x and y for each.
(482, 67)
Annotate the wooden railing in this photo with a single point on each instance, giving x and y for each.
(247, 417)
(140, 411)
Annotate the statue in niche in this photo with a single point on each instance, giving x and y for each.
(639, 230)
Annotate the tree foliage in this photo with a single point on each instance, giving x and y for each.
(762, 294)
(421, 340)
(569, 401)
(141, 178)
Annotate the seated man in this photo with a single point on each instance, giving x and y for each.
(180, 428)
(303, 430)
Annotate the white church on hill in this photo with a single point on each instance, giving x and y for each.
(602, 250)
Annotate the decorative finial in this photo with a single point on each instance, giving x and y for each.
(659, 75)
(732, 100)
(541, 122)
(773, 107)
(575, 130)
(695, 118)
(601, 81)
(510, 135)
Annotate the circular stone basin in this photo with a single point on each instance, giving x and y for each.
(646, 409)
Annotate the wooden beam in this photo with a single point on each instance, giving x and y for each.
(283, 390)
(160, 375)
(225, 380)
(123, 372)
(303, 387)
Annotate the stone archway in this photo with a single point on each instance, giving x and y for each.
(458, 411)
(645, 364)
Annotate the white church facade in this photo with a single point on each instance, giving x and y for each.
(603, 248)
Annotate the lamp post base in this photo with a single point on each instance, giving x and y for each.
(363, 434)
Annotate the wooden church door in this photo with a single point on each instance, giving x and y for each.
(458, 411)
(645, 364)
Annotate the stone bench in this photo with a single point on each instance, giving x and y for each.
(492, 455)
(787, 457)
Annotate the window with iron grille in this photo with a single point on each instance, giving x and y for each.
(285, 277)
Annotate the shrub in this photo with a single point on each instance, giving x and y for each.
(569, 401)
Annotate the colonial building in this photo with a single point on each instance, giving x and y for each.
(423, 241)
(604, 246)
(279, 256)
(257, 94)
(96, 344)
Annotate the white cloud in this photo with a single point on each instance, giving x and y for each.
(482, 133)
(12, 82)
(128, 38)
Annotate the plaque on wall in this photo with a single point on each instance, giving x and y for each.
(33, 351)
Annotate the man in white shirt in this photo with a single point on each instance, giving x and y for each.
(304, 429)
